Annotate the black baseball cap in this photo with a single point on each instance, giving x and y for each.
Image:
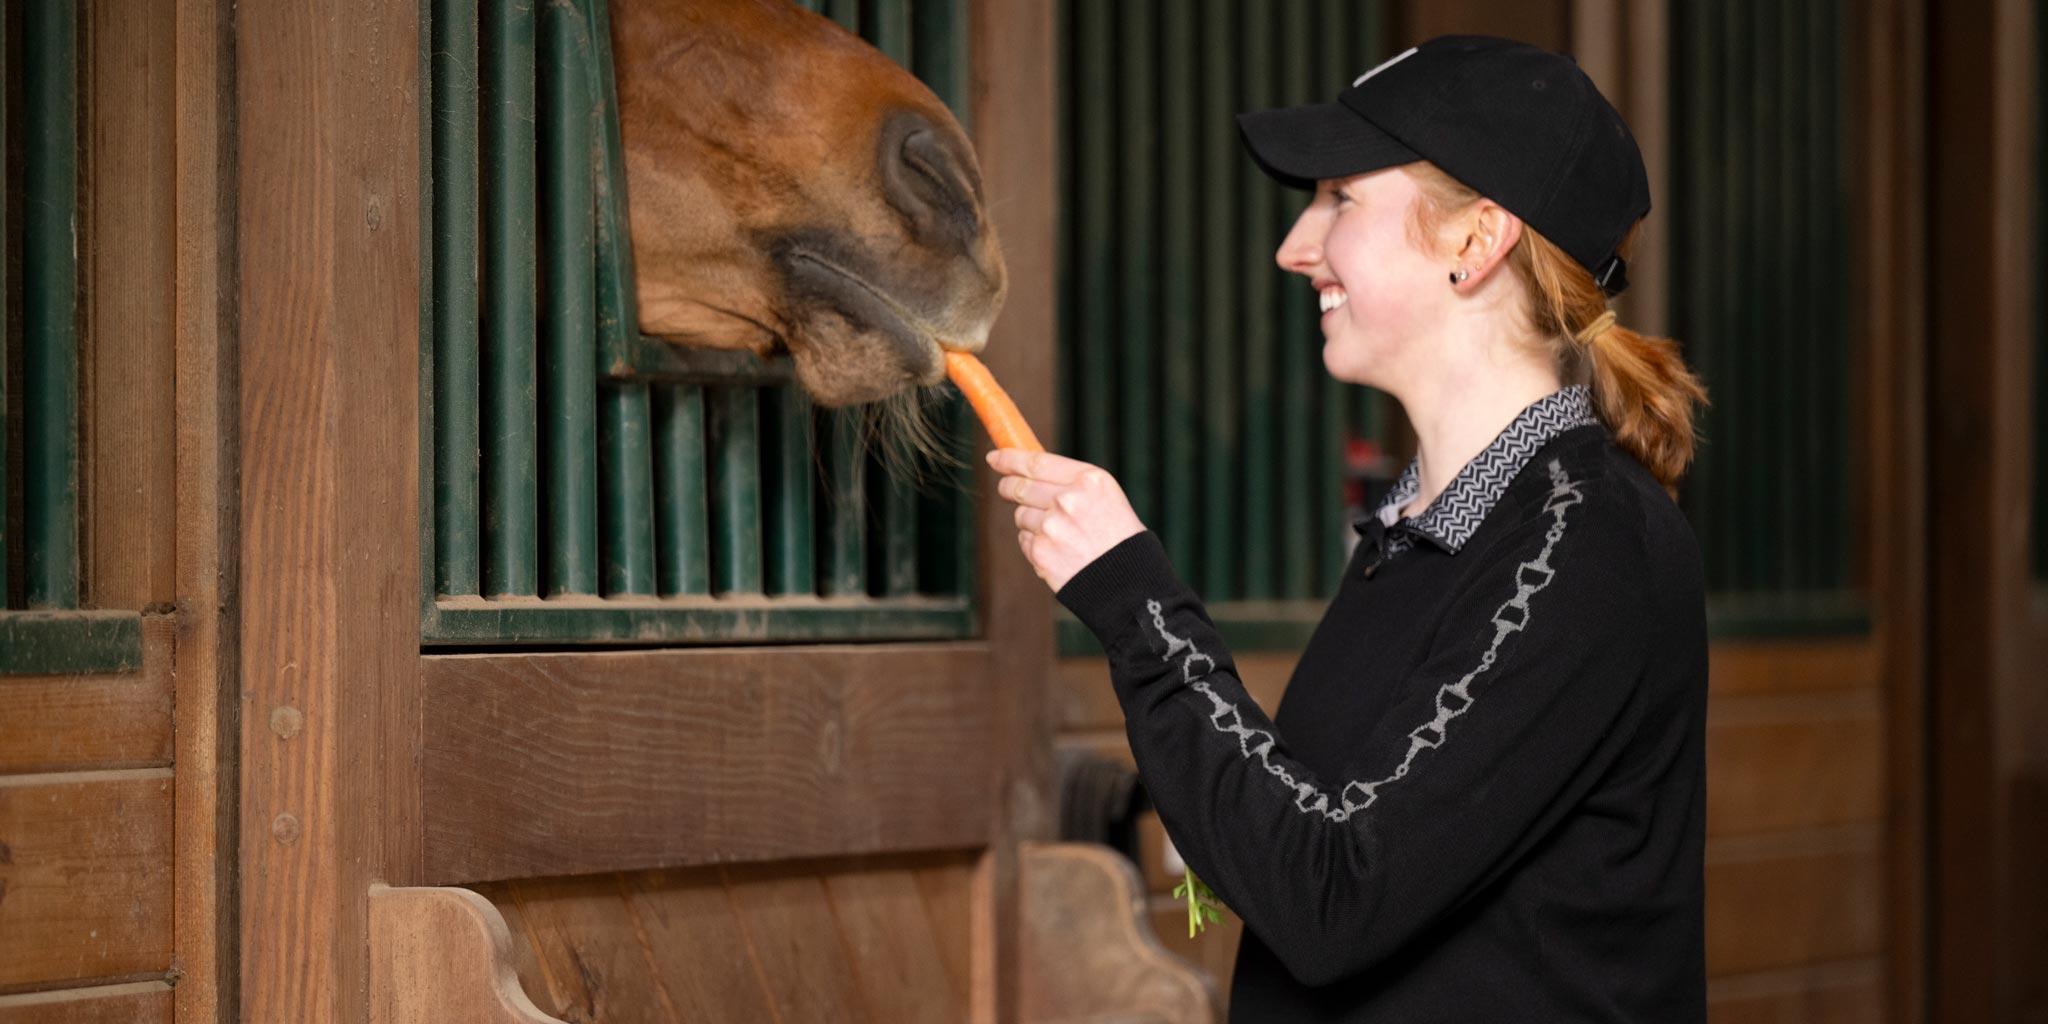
(1519, 124)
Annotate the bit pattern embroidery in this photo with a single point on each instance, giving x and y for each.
(1452, 699)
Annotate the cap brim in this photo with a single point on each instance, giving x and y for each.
(1299, 146)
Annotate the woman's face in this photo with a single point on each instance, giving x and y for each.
(1377, 289)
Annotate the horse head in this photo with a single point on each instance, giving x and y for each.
(792, 189)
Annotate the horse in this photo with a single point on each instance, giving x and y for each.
(791, 189)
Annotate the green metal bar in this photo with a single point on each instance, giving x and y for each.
(893, 545)
(845, 12)
(843, 496)
(618, 317)
(49, 304)
(571, 372)
(456, 282)
(742, 619)
(1833, 195)
(734, 430)
(889, 29)
(511, 417)
(1180, 349)
(628, 473)
(1096, 178)
(945, 517)
(1257, 480)
(682, 520)
(69, 642)
(939, 51)
(1805, 69)
(1220, 163)
(1300, 344)
(1135, 343)
(791, 501)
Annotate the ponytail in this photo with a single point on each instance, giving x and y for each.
(1641, 388)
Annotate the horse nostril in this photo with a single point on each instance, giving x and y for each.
(930, 186)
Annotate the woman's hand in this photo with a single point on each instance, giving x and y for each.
(1069, 513)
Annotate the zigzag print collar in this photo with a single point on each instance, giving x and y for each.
(1455, 515)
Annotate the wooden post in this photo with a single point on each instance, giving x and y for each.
(328, 221)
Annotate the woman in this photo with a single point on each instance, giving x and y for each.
(1482, 799)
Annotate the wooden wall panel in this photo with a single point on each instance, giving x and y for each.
(1811, 898)
(79, 722)
(141, 1002)
(864, 939)
(1836, 993)
(85, 872)
(127, 274)
(1775, 764)
(573, 764)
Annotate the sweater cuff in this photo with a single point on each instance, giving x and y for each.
(1103, 593)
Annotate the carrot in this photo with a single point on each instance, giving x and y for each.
(1006, 426)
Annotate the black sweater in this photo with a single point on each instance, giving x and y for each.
(1483, 796)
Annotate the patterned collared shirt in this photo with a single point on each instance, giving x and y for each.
(1455, 515)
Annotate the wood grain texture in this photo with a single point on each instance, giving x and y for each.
(82, 722)
(1784, 763)
(139, 1002)
(862, 939)
(443, 956)
(1013, 118)
(573, 764)
(1851, 992)
(1088, 946)
(1791, 900)
(1737, 667)
(127, 271)
(1986, 726)
(327, 219)
(85, 876)
(206, 692)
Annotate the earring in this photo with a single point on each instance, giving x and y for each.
(1460, 275)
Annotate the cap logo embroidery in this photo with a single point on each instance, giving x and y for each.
(1383, 65)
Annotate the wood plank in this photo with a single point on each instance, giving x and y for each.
(1792, 665)
(327, 212)
(1013, 115)
(540, 764)
(1840, 993)
(1888, 317)
(205, 862)
(596, 964)
(1089, 949)
(1790, 900)
(700, 949)
(948, 891)
(82, 722)
(1213, 950)
(893, 949)
(786, 917)
(1782, 763)
(443, 956)
(127, 268)
(85, 875)
(139, 1002)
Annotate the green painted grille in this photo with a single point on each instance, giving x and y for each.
(1760, 298)
(42, 629)
(1191, 365)
(589, 484)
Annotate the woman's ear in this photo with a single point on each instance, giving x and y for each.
(1491, 234)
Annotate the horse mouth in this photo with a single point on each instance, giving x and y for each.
(817, 280)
